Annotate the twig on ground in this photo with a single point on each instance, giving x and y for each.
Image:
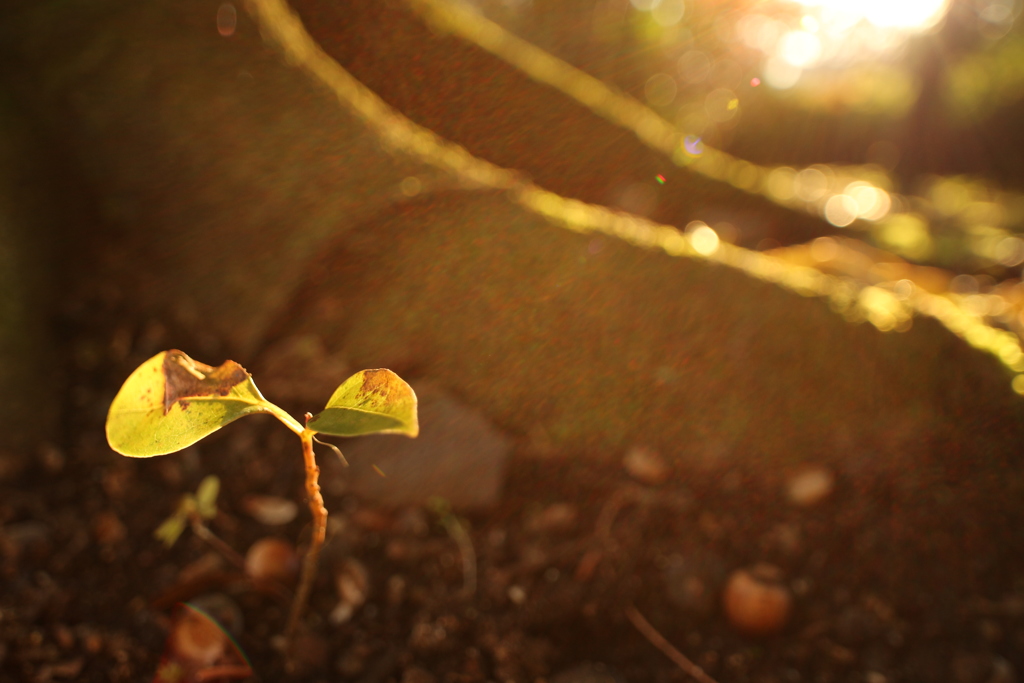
(658, 641)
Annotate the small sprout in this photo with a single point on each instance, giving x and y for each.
(192, 508)
(170, 531)
(206, 497)
(171, 401)
(456, 529)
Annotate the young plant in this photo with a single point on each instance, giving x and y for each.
(192, 509)
(171, 401)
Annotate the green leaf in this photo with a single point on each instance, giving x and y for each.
(206, 497)
(369, 402)
(171, 529)
(172, 401)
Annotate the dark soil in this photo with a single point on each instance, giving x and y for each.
(890, 582)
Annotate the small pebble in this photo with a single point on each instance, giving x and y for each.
(52, 458)
(64, 636)
(108, 529)
(352, 581)
(272, 559)
(517, 595)
(555, 518)
(270, 510)
(92, 640)
(196, 640)
(810, 486)
(646, 465)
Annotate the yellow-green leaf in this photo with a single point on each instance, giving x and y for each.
(170, 530)
(172, 401)
(206, 496)
(369, 402)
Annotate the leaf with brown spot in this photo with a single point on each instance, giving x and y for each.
(171, 401)
(186, 378)
(369, 402)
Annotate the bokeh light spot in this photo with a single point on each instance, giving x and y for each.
(780, 74)
(799, 48)
(903, 289)
(693, 145)
(841, 210)
(904, 14)
(660, 90)
(872, 203)
(227, 19)
(721, 104)
(704, 240)
(668, 12)
(760, 32)
(824, 249)
(906, 234)
(694, 66)
(810, 184)
(411, 186)
(1010, 251)
(781, 184)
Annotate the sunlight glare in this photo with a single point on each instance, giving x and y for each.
(799, 48)
(915, 15)
(703, 239)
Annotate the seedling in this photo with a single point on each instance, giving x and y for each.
(171, 401)
(192, 509)
(456, 529)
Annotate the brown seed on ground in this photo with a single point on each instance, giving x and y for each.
(272, 559)
(810, 486)
(756, 602)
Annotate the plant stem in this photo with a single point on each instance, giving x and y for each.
(316, 541)
(200, 529)
(288, 421)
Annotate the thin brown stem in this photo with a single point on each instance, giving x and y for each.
(658, 641)
(316, 541)
(200, 529)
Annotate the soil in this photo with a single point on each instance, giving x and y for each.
(889, 581)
